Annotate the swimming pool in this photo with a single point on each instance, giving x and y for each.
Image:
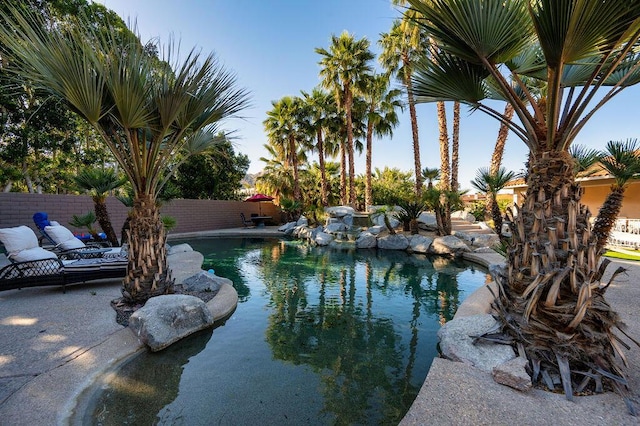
(320, 336)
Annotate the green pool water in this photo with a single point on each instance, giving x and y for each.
(320, 336)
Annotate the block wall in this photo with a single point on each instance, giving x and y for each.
(191, 215)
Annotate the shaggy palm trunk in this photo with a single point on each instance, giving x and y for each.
(414, 128)
(455, 143)
(445, 169)
(413, 226)
(368, 195)
(350, 151)
(148, 274)
(323, 172)
(294, 163)
(102, 215)
(343, 175)
(607, 216)
(551, 301)
(496, 214)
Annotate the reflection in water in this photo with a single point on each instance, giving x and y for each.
(321, 337)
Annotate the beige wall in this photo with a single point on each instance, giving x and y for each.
(191, 215)
(596, 192)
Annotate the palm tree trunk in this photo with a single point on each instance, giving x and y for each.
(550, 287)
(368, 195)
(294, 163)
(445, 171)
(148, 274)
(454, 146)
(414, 129)
(102, 215)
(350, 151)
(343, 174)
(496, 158)
(324, 199)
(607, 216)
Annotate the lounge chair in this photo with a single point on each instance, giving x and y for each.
(33, 266)
(65, 244)
(246, 222)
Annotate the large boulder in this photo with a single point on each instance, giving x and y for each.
(420, 243)
(456, 342)
(449, 245)
(323, 239)
(287, 226)
(366, 240)
(334, 228)
(376, 229)
(205, 281)
(393, 242)
(485, 240)
(179, 248)
(302, 221)
(340, 211)
(166, 319)
(464, 215)
(184, 264)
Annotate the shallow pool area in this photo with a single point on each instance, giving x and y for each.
(320, 336)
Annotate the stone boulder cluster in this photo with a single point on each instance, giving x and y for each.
(164, 320)
(339, 231)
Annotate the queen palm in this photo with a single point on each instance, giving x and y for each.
(344, 66)
(403, 46)
(553, 304)
(381, 118)
(99, 182)
(621, 160)
(145, 111)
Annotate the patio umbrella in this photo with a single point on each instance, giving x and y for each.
(258, 198)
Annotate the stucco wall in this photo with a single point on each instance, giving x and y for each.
(191, 215)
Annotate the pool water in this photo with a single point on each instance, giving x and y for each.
(320, 336)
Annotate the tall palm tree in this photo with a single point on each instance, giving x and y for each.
(381, 118)
(284, 126)
(344, 66)
(146, 111)
(455, 146)
(402, 47)
(552, 301)
(501, 140)
(321, 111)
(622, 161)
(584, 159)
(490, 184)
(99, 182)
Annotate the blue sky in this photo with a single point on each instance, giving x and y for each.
(270, 44)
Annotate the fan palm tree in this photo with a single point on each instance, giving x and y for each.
(344, 66)
(99, 182)
(146, 112)
(321, 111)
(584, 159)
(381, 118)
(552, 301)
(429, 175)
(622, 161)
(284, 127)
(490, 184)
(402, 47)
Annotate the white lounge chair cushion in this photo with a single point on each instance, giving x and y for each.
(18, 239)
(35, 253)
(63, 237)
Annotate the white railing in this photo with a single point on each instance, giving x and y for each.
(625, 233)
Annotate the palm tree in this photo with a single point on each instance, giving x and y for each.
(146, 112)
(321, 110)
(501, 140)
(622, 161)
(284, 127)
(99, 182)
(490, 184)
(550, 294)
(584, 159)
(455, 146)
(403, 46)
(429, 175)
(381, 119)
(344, 66)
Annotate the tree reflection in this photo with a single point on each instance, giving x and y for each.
(365, 367)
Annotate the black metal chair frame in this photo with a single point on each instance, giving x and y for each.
(50, 272)
(246, 222)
